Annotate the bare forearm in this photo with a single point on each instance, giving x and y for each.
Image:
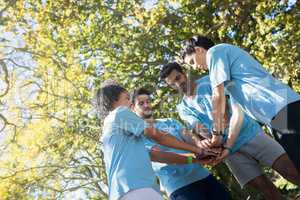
(218, 102)
(236, 122)
(171, 141)
(169, 157)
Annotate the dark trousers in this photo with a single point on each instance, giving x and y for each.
(286, 130)
(205, 189)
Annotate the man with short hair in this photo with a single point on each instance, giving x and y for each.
(183, 178)
(245, 145)
(260, 95)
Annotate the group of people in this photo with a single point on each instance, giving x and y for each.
(223, 113)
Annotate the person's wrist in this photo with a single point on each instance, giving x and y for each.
(228, 148)
(200, 152)
(196, 150)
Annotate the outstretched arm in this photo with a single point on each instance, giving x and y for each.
(171, 141)
(172, 158)
(236, 122)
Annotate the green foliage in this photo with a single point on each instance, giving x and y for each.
(77, 45)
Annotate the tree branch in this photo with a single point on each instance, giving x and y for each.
(10, 3)
(6, 79)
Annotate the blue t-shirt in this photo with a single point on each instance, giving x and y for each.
(174, 176)
(127, 161)
(199, 110)
(260, 95)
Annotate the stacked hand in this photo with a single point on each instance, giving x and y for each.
(224, 154)
(212, 151)
(208, 155)
(216, 140)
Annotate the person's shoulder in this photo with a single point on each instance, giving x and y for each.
(162, 123)
(161, 120)
(122, 110)
(172, 121)
(221, 47)
(204, 85)
(203, 80)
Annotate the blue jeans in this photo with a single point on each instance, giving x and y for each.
(205, 189)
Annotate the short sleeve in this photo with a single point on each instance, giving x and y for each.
(129, 122)
(219, 67)
(232, 101)
(179, 126)
(189, 118)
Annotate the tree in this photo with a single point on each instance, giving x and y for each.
(52, 147)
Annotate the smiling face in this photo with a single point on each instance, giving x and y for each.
(197, 59)
(178, 81)
(142, 106)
